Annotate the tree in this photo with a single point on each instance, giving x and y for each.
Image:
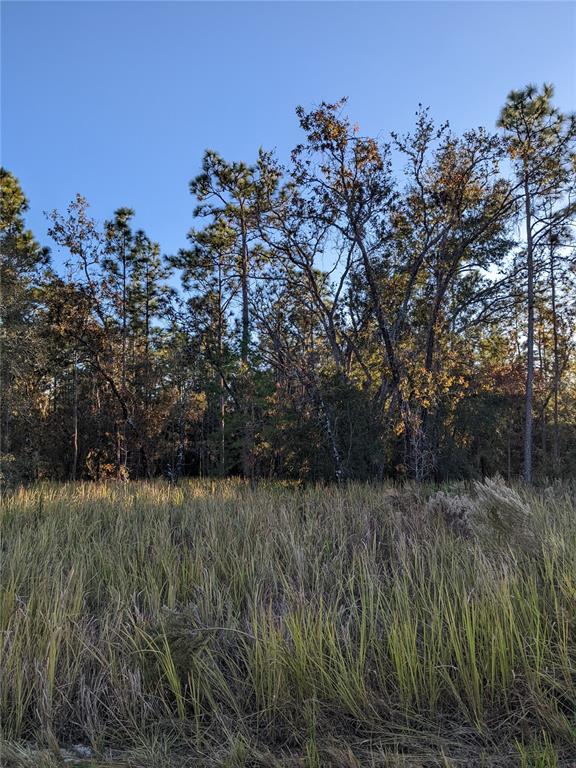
(412, 246)
(229, 194)
(541, 143)
(365, 310)
(21, 262)
(225, 193)
(211, 280)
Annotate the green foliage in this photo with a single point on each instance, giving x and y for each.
(364, 312)
(21, 262)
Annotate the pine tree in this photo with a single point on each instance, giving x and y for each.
(21, 261)
(541, 142)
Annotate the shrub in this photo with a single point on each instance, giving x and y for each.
(455, 511)
(501, 512)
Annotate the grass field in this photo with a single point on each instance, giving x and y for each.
(211, 624)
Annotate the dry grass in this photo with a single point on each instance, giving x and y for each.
(214, 625)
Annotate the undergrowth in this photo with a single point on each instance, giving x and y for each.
(211, 624)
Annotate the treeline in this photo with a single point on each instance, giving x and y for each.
(372, 309)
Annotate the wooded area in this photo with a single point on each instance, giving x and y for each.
(373, 309)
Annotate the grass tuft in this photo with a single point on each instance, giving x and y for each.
(214, 624)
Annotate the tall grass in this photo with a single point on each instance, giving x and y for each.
(213, 624)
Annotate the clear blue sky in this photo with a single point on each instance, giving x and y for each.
(118, 100)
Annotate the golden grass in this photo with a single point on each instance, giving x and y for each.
(212, 624)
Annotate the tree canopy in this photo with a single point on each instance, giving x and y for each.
(336, 318)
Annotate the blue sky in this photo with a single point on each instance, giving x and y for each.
(118, 100)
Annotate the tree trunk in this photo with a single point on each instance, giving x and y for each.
(220, 374)
(247, 464)
(388, 347)
(245, 341)
(543, 425)
(528, 418)
(555, 430)
(124, 450)
(75, 423)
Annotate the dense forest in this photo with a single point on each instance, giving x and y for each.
(401, 308)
